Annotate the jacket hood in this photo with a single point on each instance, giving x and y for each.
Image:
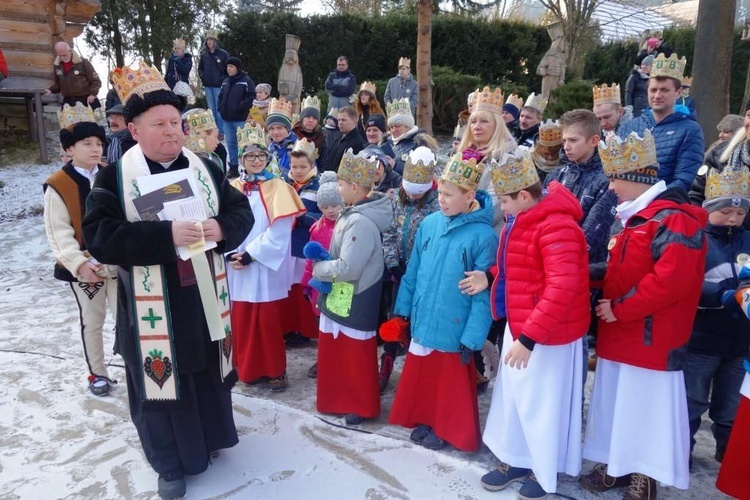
(668, 199)
(558, 200)
(377, 207)
(484, 215)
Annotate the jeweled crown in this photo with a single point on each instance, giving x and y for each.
(404, 61)
(197, 122)
(280, 107)
(358, 169)
(398, 107)
(368, 87)
(311, 102)
(465, 174)
(128, 81)
(607, 95)
(687, 81)
(671, 67)
(550, 133)
(70, 115)
(419, 167)
(489, 100)
(515, 100)
(307, 147)
(513, 172)
(728, 182)
(633, 153)
(251, 133)
(536, 101)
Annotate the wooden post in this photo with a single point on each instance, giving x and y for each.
(424, 65)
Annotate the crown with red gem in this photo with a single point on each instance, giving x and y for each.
(307, 147)
(358, 169)
(550, 133)
(128, 81)
(513, 172)
(70, 115)
(607, 95)
(489, 100)
(515, 100)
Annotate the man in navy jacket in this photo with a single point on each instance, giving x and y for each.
(679, 138)
(212, 69)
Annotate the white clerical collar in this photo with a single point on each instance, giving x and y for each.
(168, 164)
(88, 174)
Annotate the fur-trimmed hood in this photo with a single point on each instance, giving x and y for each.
(76, 59)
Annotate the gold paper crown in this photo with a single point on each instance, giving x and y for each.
(419, 167)
(550, 133)
(307, 147)
(311, 102)
(179, 43)
(398, 107)
(465, 174)
(536, 101)
(622, 156)
(280, 107)
(489, 100)
(607, 95)
(200, 120)
(687, 81)
(515, 100)
(251, 134)
(358, 169)
(670, 67)
(212, 33)
(144, 79)
(368, 87)
(513, 173)
(69, 116)
(292, 42)
(728, 183)
(404, 61)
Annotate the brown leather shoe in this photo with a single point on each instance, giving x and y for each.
(279, 384)
(641, 487)
(598, 480)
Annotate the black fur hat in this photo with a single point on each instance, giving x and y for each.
(81, 131)
(137, 105)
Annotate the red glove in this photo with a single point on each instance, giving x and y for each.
(395, 330)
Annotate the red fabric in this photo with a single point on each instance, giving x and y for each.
(322, 232)
(299, 315)
(546, 271)
(348, 376)
(733, 477)
(654, 301)
(438, 391)
(395, 330)
(3, 64)
(259, 349)
(67, 66)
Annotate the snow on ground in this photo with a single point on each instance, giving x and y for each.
(59, 441)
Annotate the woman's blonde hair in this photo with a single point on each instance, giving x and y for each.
(499, 140)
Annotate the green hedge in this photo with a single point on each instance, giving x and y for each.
(612, 62)
(496, 51)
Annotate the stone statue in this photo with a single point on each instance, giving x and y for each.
(290, 74)
(552, 66)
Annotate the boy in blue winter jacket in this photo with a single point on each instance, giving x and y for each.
(437, 392)
(721, 333)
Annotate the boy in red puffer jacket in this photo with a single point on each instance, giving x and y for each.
(534, 422)
(652, 285)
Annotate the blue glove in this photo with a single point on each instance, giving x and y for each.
(321, 286)
(466, 355)
(315, 251)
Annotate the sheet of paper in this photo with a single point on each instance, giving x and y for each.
(150, 183)
(188, 209)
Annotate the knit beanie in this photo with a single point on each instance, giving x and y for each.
(376, 121)
(314, 112)
(509, 108)
(235, 61)
(278, 119)
(731, 123)
(81, 131)
(263, 87)
(715, 204)
(401, 119)
(328, 193)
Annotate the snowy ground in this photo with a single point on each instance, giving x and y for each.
(58, 441)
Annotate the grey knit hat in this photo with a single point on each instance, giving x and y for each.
(328, 193)
(731, 123)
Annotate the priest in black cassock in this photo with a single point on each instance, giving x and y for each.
(173, 323)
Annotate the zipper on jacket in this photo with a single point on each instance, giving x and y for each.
(424, 247)
(465, 260)
(624, 247)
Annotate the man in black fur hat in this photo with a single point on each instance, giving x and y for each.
(173, 328)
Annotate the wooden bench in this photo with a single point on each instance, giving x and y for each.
(31, 90)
